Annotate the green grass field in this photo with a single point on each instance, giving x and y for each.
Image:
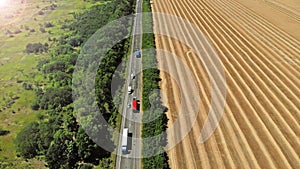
(17, 67)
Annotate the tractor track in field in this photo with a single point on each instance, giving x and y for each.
(260, 127)
(284, 9)
(177, 73)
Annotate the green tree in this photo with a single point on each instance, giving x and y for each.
(55, 98)
(62, 152)
(27, 140)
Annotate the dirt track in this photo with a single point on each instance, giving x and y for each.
(260, 127)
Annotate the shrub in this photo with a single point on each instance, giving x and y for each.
(17, 31)
(43, 30)
(35, 48)
(41, 13)
(48, 25)
(3, 132)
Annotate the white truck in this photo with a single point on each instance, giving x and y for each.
(124, 140)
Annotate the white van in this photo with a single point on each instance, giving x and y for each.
(129, 89)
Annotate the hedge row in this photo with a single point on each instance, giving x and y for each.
(154, 117)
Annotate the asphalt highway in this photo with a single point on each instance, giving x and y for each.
(132, 120)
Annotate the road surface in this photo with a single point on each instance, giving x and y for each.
(133, 120)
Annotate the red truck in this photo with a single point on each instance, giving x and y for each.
(135, 105)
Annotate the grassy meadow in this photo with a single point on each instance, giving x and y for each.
(20, 24)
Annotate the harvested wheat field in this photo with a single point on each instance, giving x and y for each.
(258, 43)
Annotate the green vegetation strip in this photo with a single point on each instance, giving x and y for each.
(18, 74)
(57, 137)
(154, 117)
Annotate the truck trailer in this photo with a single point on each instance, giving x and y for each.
(124, 140)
